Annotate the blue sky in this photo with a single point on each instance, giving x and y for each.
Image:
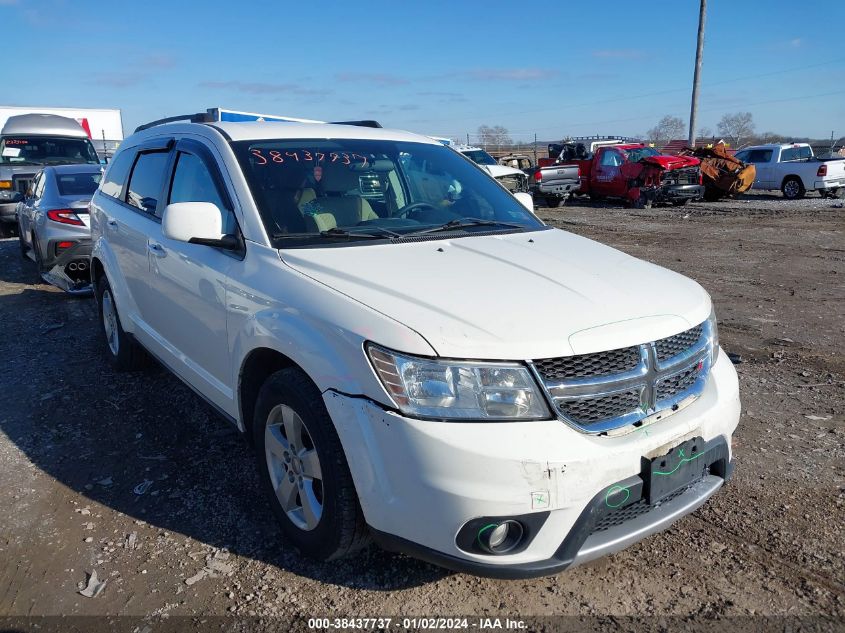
(442, 68)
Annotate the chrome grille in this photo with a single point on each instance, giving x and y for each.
(678, 383)
(588, 410)
(23, 183)
(369, 185)
(685, 176)
(673, 345)
(611, 389)
(615, 361)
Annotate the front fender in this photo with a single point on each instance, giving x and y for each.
(272, 306)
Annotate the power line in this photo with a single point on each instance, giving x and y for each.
(644, 95)
(646, 117)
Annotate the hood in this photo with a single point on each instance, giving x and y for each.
(671, 162)
(515, 296)
(497, 171)
(8, 170)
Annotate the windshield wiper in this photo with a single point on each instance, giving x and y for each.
(373, 232)
(461, 223)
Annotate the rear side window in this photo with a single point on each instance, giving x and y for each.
(116, 174)
(795, 153)
(146, 180)
(78, 184)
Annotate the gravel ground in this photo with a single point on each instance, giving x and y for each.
(134, 477)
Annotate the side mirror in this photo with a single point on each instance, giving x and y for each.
(526, 200)
(196, 223)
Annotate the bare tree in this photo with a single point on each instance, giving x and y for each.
(705, 132)
(496, 135)
(668, 128)
(737, 127)
(772, 137)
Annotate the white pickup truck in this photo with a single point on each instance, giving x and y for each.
(792, 168)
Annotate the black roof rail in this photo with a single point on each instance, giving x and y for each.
(364, 123)
(199, 117)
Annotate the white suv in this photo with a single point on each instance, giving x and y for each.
(415, 356)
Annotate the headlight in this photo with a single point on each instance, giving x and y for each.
(714, 336)
(460, 390)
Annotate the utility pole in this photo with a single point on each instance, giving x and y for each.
(699, 52)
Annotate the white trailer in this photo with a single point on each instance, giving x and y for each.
(103, 125)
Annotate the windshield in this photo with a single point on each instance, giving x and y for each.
(480, 157)
(46, 150)
(312, 189)
(638, 153)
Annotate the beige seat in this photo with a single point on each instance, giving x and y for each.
(334, 207)
(305, 196)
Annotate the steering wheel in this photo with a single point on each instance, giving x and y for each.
(405, 211)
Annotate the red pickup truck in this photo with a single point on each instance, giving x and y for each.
(630, 171)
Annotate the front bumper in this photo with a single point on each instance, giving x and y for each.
(672, 193)
(420, 481)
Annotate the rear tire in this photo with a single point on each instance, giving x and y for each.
(36, 253)
(680, 203)
(303, 468)
(793, 188)
(124, 352)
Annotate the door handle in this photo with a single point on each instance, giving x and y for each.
(156, 249)
(112, 223)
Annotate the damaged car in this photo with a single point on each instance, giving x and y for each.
(53, 225)
(723, 173)
(634, 172)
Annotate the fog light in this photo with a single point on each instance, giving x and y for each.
(500, 538)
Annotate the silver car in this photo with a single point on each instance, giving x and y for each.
(53, 224)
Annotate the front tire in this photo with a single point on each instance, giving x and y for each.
(793, 188)
(303, 468)
(124, 352)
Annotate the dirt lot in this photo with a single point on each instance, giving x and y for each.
(79, 443)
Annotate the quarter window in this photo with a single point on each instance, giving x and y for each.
(146, 181)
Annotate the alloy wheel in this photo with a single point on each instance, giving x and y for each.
(294, 467)
(110, 323)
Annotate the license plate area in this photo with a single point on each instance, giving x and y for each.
(678, 468)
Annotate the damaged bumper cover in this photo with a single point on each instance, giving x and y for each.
(421, 482)
(70, 270)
